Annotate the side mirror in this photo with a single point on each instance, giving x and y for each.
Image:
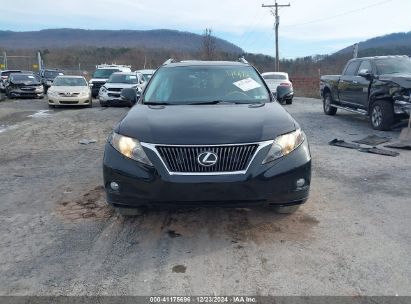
(129, 95)
(365, 73)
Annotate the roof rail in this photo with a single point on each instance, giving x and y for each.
(171, 60)
(242, 59)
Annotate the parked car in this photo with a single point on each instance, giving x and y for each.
(110, 92)
(207, 133)
(379, 87)
(47, 77)
(69, 91)
(4, 75)
(23, 85)
(280, 85)
(103, 73)
(147, 74)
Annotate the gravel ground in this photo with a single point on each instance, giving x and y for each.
(58, 237)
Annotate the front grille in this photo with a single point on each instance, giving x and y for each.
(68, 102)
(113, 95)
(28, 88)
(185, 159)
(115, 89)
(69, 94)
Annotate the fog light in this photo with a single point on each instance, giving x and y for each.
(114, 186)
(300, 183)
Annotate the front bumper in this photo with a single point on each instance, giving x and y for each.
(112, 98)
(69, 101)
(269, 184)
(23, 93)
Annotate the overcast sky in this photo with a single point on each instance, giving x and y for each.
(307, 27)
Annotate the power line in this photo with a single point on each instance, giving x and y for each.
(274, 10)
(339, 15)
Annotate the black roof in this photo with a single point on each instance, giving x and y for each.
(204, 63)
(380, 57)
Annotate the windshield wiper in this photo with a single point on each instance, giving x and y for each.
(208, 102)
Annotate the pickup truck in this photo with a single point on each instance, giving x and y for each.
(379, 87)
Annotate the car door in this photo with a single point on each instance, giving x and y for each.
(347, 83)
(361, 85)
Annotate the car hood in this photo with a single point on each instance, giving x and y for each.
(206, 124)
(403, 80)
(69, 89)
(25, 83)
(120, 85)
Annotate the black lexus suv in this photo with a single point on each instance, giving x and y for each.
(207, 133)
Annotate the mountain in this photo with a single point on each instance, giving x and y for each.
(150, 39)
(396, 43)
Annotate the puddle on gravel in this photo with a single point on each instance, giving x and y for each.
(92, 205)
(11, 121)
(40, 114)
(4, 128)
(260, 226)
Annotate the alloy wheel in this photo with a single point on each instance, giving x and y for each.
(376, 116)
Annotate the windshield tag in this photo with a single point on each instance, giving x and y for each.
(247, 84)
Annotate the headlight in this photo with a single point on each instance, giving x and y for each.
(52, 93)
(103, 90)
(84, 94)
(129, 147)
(284, 145)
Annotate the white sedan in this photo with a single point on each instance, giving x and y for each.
(69, 90)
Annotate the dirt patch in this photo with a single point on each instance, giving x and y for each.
(260, 226)
(91, 205)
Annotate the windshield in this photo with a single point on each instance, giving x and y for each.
(393, 65)
(52, 74)
(130, 79)
(70, 82)
(200, 84)
(24, 78)
(104, 73)
(275, 77)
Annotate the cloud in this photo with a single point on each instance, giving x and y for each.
(244, 21)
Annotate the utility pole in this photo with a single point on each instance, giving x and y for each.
(5, 60)
(276, 24)
(355, 51)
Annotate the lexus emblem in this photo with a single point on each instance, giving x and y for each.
(207, 159)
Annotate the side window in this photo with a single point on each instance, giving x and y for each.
(365, 65)
(351, 69)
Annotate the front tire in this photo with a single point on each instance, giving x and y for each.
(289, 101)
(327, 104)
(382, 115)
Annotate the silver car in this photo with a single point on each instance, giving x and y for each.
(109, 94)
